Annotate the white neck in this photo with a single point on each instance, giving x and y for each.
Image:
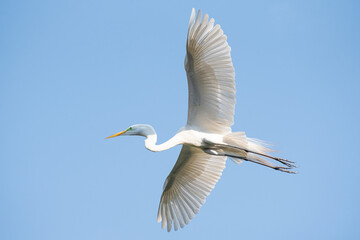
(150, 143)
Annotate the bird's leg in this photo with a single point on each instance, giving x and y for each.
(281, 160)
(286, 162)
(279, 168)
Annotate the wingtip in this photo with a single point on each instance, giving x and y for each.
(192, 16)
(199, 16)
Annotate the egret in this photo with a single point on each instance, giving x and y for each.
(207, 140)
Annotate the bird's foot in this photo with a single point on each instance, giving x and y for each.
(286, 162)
(284, 169)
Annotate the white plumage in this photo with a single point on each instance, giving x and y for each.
(187, 186)
(211, 77)
(207, 138)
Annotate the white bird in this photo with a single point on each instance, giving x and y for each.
(207, 138)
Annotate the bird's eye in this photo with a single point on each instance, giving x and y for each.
(130, 128)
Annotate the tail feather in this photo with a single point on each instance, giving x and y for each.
(251, 146)
(238, 147)
(237, 139)
(242, 148)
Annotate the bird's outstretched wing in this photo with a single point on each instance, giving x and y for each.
(211, 76)
(187, 186)
(211, 81)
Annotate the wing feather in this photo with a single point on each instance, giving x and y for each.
(211, 81)
(189, 183)
(211, 76)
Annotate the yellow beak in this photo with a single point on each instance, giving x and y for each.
(117, 134)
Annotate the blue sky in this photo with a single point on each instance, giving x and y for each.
(75, 72)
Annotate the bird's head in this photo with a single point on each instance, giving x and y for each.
(137, 130)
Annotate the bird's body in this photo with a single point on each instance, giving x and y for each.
(207, 138)
(185, 136)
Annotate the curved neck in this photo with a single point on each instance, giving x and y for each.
(150, 143)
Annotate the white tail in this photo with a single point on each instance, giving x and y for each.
(240, 148)
(250, 147)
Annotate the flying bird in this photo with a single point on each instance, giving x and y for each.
(207, 138)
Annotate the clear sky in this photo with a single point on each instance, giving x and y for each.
(75, 72)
